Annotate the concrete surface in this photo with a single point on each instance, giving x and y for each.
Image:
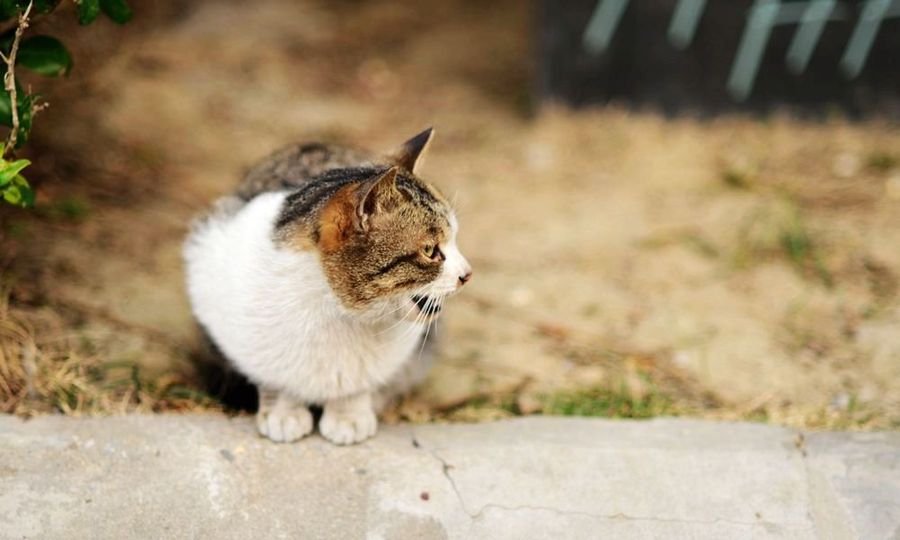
(206, 476)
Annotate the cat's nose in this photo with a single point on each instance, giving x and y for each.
(463, 279)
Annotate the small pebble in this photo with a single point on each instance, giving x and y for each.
(841, 402)
(846, 165)
(424, 496)
(521, 296)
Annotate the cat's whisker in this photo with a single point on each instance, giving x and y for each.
(424, 313)
(388, 311)
(413, 328)
(402, 304)
(440, 302)
(399, 322)
(385, 306)
(307, 249)
(421, 290)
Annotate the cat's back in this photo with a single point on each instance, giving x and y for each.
(240, 284)
(294, 166)
(232, 245)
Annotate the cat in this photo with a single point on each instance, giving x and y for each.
(319, 280)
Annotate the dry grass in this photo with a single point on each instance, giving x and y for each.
(47, 366)
(641, 386)
(626, 264)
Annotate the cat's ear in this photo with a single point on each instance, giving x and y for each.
(409, 152)
(374, 195)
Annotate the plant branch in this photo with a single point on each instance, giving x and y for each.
(9, 79)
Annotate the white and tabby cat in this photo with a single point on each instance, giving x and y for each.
(318, 278)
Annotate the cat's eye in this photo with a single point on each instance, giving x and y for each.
(430, 251)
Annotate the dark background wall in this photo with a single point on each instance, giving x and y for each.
(641, 67)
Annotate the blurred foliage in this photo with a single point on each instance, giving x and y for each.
(780, 232)
(13, 186)
(881, 161)
(609, 402)
(736, 178)
(43, 55)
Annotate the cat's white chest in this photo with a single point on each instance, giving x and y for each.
(273, 314)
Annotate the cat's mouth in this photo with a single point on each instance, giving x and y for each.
(427, 305)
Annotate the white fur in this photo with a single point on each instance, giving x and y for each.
(272, 313)
(455, 265)
(281, 418)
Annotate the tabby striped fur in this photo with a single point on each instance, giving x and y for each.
(318, 280)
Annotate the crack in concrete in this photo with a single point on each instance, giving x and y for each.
(447, 466)
(445, 469)
(769, 525)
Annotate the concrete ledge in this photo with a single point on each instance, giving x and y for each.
(201, 476)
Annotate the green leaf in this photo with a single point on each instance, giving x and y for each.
(8, 9)
(18, 192)
(5, 105)
(26, 103)
(25, 191)
(12, 195)
(117, 10)
(5, 108)
(88, 11)
(10, 170)
(12, 8)
(26, 115)
(45, 55)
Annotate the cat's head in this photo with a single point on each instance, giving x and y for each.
(384, 235)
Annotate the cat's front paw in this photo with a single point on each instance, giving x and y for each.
(284, 425)
(347, 427)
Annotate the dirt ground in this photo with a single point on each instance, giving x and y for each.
(625, 264)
